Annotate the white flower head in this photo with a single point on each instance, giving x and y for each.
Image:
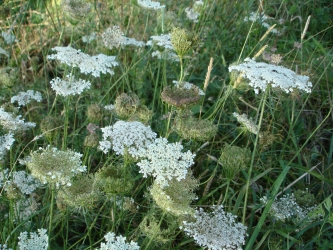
(89, 38)
(54, 166)
(4, 247)
(165, 161)
(109, 107)
(114, 37)
(23, 98)
(11, 123)
(148, 4)
(34, 241)
(261, 17)
(117, 243)
(69, 86)
(26, 183)
(162, 40)
(88, 64)
(188, 85)
(261, 74)
(217, 230)
(6, 141)
(287, 208)
(192, 14)
(166, 55)
(247, 123)
(127, 137)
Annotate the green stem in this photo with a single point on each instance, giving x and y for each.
(263, 101)
(51, 214)
(64, 141)
(181, 69)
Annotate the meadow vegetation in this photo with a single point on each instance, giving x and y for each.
(166, 125)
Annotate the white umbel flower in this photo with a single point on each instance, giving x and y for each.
(54, 166)
(6, 141)
(114, 242)
(248, 123)
(148, 4)
(114, 37)
(11, 123)
(217, 230)
(188, 85)
(166, 55)
(69, 86)
(162, 40)
(35, 241)
(127, 137)
(261, 74)
(165, 161)
(88, 64)
(286, 208)
(23, 98)
(26, 183)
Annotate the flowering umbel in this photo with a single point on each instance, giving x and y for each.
(261, 74)
(34, 241)
(165, 161)
(177, 197)
(127, 138)
(117, 243)
(54, 166)
(217, 230)
(88, 64)
(82, 195)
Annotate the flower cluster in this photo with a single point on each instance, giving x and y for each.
(26, 183)
(190, 127)
(165, 161)
(87, 64)
(114, 37)
(117, 242)
(177, 196)
(69, 86)
(23, 98)
(6, 141)
(4, 247)
(81, 195)
(166, 55)
(194, 13)
(34, 241)
(247, 123)
(76, 8)
(233, 160)
(148, 4)
(188, 85)
(115, 179)
(261, 75)
(54, 166)
(11, 123)
(287, 208)
(261, 18)
(217, 230)
(162, 40)
(131, 138)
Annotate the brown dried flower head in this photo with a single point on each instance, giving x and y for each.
(180, 97)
